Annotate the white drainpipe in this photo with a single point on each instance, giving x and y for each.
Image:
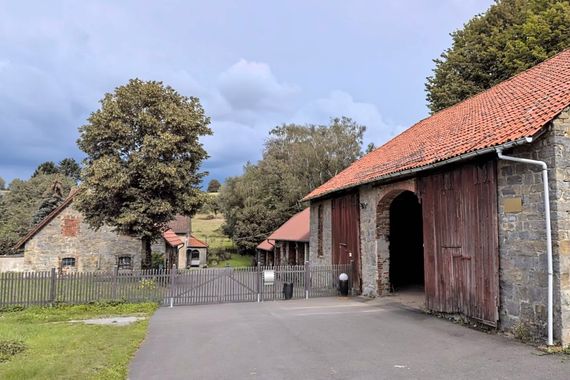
(542, 164)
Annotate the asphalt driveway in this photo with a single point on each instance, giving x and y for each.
(329, 338)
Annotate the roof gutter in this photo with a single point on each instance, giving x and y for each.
(461, 157)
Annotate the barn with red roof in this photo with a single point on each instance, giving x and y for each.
(449, 207)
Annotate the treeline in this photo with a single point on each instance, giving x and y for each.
(26, 202)
(296, 159)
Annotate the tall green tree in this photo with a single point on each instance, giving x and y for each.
(511, 36)
(143, 160)
(2, 183)
(52, 199)
(296, 159)
(214, 186)
(46, 168)
(70, 168)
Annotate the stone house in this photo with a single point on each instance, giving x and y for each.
(443, 207)
(289, 244)
(63, 240)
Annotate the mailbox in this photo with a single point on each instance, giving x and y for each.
(268, 277)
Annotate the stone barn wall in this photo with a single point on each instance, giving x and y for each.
(522, 235)
(67, 235)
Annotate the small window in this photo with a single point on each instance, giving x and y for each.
(125, 262)
(68, 262)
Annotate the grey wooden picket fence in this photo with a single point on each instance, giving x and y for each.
(172, 287)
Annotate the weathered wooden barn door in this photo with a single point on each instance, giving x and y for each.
(461, 241)
(345, 223)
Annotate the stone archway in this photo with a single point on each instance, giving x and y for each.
(383, 222)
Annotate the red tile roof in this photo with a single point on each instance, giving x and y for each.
(514, 109)
(171, 238)
(266, 245)
(297, 228)
(196, 243)
(180, 224)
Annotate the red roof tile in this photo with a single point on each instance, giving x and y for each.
(171, 238)
(514, 109)
(180, 224)
(196, 243)
(297, 228)
(266, 245)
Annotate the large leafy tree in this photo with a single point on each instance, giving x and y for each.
(143, 160)
(511, 36)
(296, 159)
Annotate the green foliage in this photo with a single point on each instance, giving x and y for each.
(214, 186)
(67, 167)
(510, 37)
(50, 202)
(296, 159)
(46, 168)
(9, 348)
(19, 205)
(70, 168)
(211, 204)
(143, 159)
(2, 183)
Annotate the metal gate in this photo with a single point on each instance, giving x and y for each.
(253, 284)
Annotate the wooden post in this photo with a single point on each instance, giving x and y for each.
(52, 289)
(172, 284)
(259, 274)
(307, 279)
(115, 279)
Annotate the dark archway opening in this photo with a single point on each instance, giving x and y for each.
(406, 243)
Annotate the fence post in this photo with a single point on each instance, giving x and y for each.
(115, 279)
(259, 281)
(307, 279)
(352, 274)
(172, 284)
(52, 289)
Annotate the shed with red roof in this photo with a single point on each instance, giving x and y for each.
(289, 244)
(436, 209)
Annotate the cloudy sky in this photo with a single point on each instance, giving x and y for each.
(253, 64)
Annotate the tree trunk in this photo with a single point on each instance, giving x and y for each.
(146, 253)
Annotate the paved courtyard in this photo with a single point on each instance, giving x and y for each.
(329, 338)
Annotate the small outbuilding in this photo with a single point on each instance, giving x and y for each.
(289, 244)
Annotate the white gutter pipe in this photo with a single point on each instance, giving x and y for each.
(544, 169)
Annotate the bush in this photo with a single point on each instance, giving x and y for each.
(9, 348)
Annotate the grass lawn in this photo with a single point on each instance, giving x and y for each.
(210, 231)
(236, 261)
(58, 349)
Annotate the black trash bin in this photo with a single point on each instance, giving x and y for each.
(288, 290)
(343, 284)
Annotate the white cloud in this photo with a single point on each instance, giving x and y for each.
(339, 103)
(252, 86)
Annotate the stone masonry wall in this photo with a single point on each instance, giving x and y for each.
(67, 235)
(326, 258)
(522, 235)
